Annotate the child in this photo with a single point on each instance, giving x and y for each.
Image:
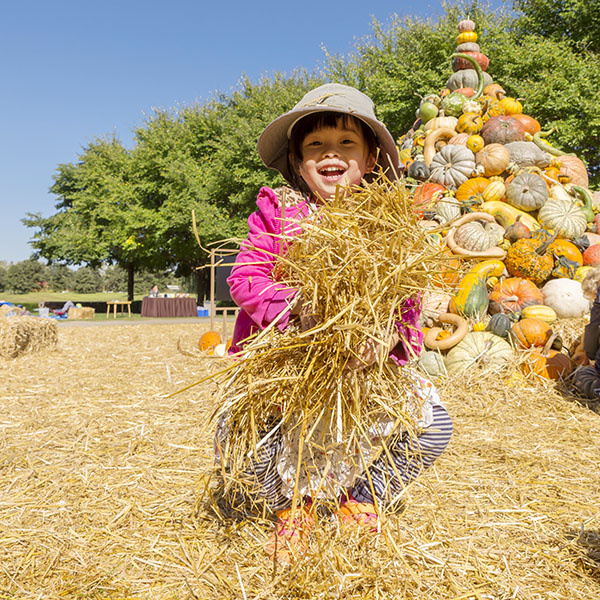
(587, 378)
(330, 138)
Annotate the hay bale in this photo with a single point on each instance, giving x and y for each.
(85, 312)
(359, 263)
(20, 335)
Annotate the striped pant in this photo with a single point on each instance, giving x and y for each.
(387, 476)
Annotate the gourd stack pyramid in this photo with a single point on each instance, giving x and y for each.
(514, 209)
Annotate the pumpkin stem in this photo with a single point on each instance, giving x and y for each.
(548, 344)
(541, 249)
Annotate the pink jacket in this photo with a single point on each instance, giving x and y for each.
(262, 299)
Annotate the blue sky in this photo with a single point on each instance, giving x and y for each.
(73, 71)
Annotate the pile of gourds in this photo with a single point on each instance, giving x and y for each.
(490, 187)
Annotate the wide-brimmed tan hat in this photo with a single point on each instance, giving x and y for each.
(331, 97)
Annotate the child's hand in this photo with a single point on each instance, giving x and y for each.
(369, 351)
(303, 310)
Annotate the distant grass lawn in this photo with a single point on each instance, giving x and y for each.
(35, 297)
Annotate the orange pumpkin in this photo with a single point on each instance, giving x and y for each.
(567, 249)
(208, 341)
(549, 364)
(513, 294)
(495, 90)
(426, 197)
(531, 332)
(531, 125)
(471, 187)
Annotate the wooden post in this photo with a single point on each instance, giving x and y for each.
(212, 290)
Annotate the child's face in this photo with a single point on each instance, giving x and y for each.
(334, 156)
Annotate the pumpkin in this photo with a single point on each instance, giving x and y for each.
(565, 268)
(453, 103)
(432, 364)
(591, 256)
(479, 236)
(527, 191)
(513, 294)
(437, 338)
(531, 125)
(472, 106)
(506, 214)
(500, 324)
(587, 382)
(475, 143)
(531, 259)
(447, 210)
(466, 36)
(511, 106)
(467, 78)
(565, 297)
(460, 63)
(494, 191)
(539, 311)
(471, 299)
(495, 90)
(564, 217)
(517, 231)
(574, 168)
(581, 273)
(502, 130)
(530, 332)
(426, 196)
(468, 47)
(470, 188)
(494, 158)
(548, 363)
(441, 122)
(490, 107)
(209, 341)
(567, 249)
(527, 154)
(479, 349)
(418, 170)
(466, 25)
(467, 92)
(460, 139)
(452, 165)
(469, 123)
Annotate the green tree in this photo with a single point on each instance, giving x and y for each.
(59, 277)
(3, 271)
(25, 276)
(86, 280)
(114, 279)
(98, 215)
(574, 21)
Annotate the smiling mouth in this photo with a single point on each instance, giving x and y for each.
(332, 173)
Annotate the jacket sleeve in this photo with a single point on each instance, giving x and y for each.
(411, 335)
(251, 281)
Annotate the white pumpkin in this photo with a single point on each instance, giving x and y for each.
(479, 349)
(564, 217)
(452, 165)
(565, 297)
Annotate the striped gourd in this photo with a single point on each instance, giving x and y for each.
(494, 191)
(539, 311)
(488, 268)
(471, 299)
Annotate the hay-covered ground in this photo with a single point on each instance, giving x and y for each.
(103, 489)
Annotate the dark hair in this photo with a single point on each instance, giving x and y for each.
(321, 120)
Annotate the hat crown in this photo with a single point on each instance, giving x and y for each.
(339, 97)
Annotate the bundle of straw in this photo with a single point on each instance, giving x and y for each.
(20, 335)
(360, 262)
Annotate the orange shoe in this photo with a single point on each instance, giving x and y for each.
(361, 513)
(290, 536)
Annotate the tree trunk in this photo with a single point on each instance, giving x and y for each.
(130, 273)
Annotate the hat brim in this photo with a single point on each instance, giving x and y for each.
(273, 145)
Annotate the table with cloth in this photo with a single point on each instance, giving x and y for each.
(169, 307)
